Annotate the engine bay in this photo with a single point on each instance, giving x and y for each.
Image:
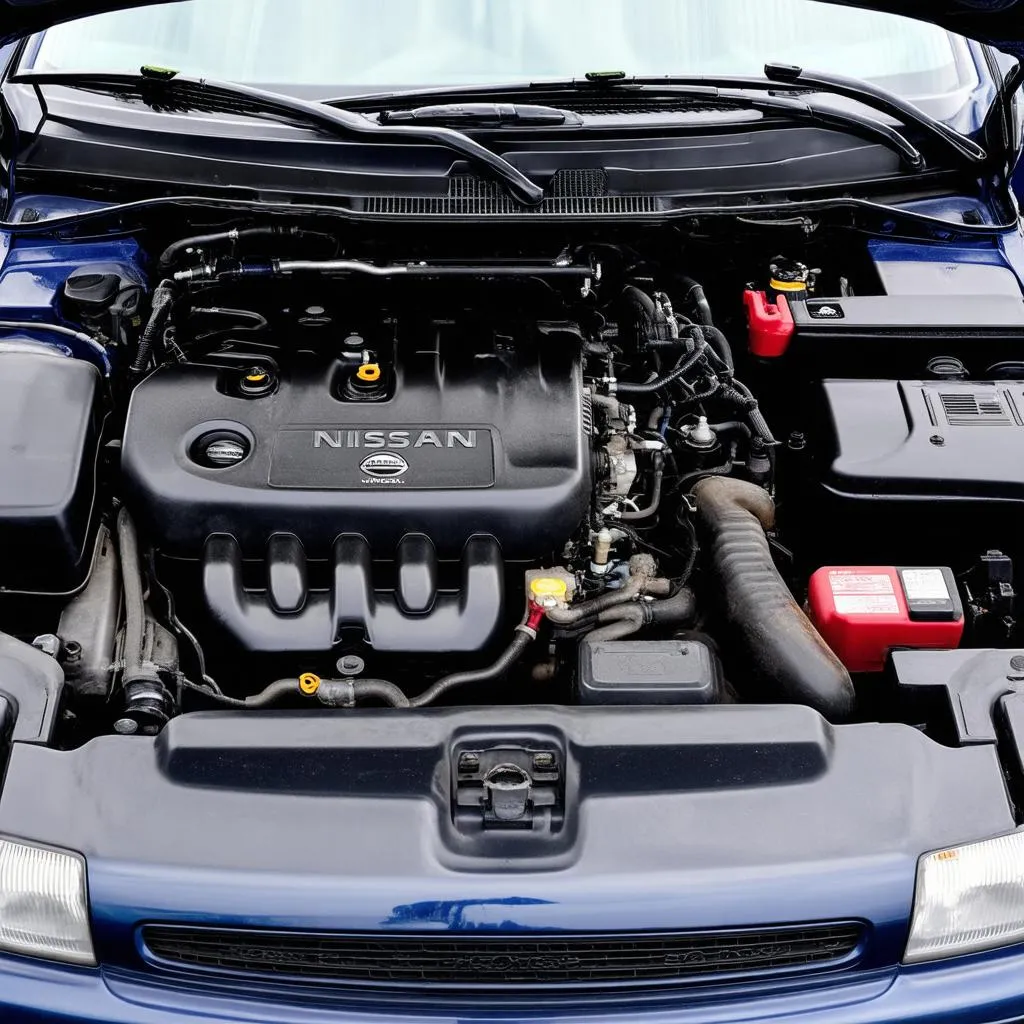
(266, 467)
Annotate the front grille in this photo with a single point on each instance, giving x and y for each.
(500, 961)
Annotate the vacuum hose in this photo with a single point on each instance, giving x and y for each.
(778, 638)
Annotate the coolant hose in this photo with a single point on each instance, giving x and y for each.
(625, 620)
(777, 636)
(627, 593)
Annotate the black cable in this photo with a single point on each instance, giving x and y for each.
(507, 659)
(160, 312)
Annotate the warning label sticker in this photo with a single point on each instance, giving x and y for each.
(861, 593)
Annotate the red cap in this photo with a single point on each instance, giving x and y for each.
(771, 325)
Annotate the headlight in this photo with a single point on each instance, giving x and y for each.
(968, 898)
(43, 907)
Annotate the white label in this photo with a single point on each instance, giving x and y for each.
(866, 604)
(925, 585)
(863, 593)
(860, 583)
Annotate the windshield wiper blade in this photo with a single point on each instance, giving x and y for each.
(481, 115)
(797, 107)
(801, 109)
(157, 86)
(881, 99)
(778, 78)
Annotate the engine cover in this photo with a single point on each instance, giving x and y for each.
(486, 445)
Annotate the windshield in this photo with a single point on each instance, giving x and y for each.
(354, 45)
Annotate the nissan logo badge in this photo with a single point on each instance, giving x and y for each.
(384, 464)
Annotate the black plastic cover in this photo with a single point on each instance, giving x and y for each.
(50, 427)
(936, 440)
(31, 684)
(485, 446)
(647, 672)
(416, 616)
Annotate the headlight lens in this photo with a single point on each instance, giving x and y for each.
(44, 911)
(968, 898)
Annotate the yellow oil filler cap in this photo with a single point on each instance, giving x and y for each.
(548, 590)
(369, 373)
(309, 683)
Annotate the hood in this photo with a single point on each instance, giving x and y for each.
(997, 22)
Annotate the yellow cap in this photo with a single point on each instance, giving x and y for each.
(789, 286)
(369, 372)
(548, 587)
(309, 683)
(256, 378)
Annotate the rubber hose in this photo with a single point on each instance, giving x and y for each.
(273, 693)
(655, 500)
(620, 623)
(508, 658)
(648, 388)
(623, 621)
(134, 606)
(173, 252)
(380, 689)
(730, 427)
(696, 298)
(677, 610)
(778, 638)
(637, 319)
(720, 343)
(588, 609)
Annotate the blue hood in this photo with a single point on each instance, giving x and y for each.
(997, 22)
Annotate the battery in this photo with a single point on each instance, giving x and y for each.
(865, 611)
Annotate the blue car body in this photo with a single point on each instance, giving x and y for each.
(177, 841)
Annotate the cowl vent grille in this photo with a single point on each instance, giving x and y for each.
(572, 193)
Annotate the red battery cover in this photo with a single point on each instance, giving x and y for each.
(863, 612)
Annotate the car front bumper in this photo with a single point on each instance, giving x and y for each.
(982, 989)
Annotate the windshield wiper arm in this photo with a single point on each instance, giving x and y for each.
(881, 99)
(801, 109)
(244, 99)
(777, 78)
(481, 115)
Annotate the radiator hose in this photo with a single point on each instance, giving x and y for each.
(776, 635)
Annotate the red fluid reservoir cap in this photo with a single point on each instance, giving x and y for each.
(771, 325)
(864, 611)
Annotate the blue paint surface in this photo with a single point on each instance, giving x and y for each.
(33, 271)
